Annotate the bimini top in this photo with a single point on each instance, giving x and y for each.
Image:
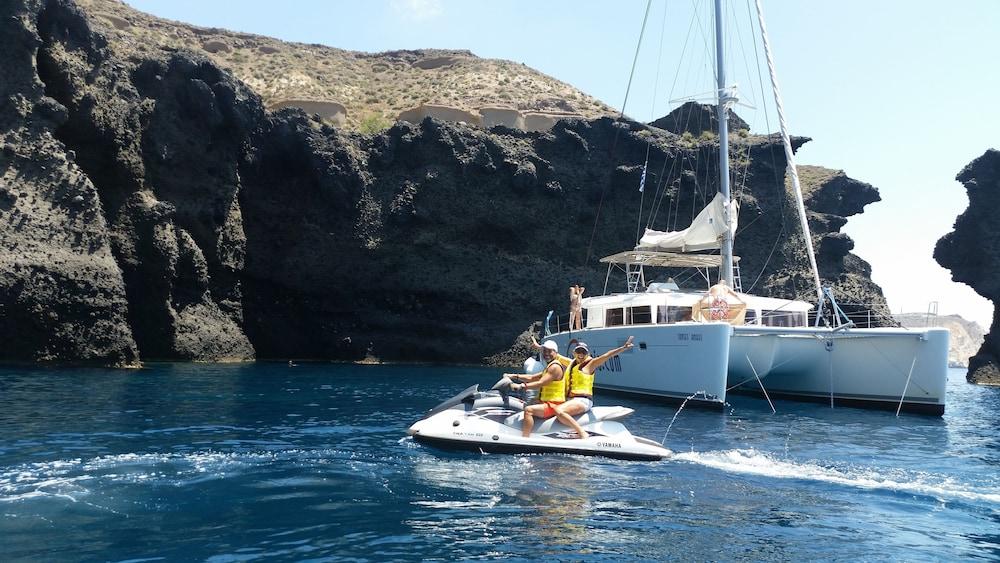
(666, 259)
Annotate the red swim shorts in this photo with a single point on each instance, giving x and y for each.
(550, 408)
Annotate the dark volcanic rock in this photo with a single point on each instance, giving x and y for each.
(162, 141)
(696, 119)
(151, 208)
(62, 297)
(972, 253)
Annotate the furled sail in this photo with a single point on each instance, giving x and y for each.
(705, 232)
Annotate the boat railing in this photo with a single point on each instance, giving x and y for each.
(861, 315)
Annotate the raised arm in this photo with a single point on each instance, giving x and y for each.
(597, 362)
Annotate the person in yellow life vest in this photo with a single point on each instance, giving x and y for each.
(580, 384)
(563, 360)
(551, 345)
(551, 384)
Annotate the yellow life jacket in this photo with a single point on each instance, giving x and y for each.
(553, 391)
(581, 383)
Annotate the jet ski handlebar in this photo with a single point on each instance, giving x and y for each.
(503, 384)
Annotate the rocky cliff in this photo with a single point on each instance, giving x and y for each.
(972, 253)
(151, 208)
(371, 88)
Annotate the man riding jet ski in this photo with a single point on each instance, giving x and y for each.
(491, 421)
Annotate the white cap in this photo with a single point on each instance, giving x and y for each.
(551, 345)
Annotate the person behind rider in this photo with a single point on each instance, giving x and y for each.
(576, 307)
(581, 384)
(552, 387)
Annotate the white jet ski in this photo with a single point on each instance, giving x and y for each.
(490, 421)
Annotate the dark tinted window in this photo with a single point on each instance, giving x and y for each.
(614, 317)
(639, 315)
(667, 315)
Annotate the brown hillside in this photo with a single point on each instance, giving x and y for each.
(373, 87)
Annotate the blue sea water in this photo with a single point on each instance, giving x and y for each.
(271, 462)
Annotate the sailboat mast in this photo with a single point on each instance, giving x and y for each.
(724, 98)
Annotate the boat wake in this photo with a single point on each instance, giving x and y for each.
(73, 479)
(753, 462)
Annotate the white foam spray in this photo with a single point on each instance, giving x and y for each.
(752, 462)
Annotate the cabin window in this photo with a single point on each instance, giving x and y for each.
(614, 317)
(751, 317)
(669, 315)
(783, 318)
(639, 315)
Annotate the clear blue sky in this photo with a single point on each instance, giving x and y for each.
(899, 94)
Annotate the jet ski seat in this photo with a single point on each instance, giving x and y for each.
(595, 414)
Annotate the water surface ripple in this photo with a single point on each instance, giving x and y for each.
(267, 461)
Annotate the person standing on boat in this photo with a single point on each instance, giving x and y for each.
(718, 303)
(576, 307)
(552, 387)
(581, 383)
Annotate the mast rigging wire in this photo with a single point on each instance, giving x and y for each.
(614, 143)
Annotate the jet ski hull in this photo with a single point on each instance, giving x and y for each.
(509, 448)
(491, 423)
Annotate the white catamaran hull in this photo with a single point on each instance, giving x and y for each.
(668, 361)
(769, 348)
(876, 367)
(872, 368)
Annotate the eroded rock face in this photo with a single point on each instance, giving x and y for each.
(161, 140)
(152, 208)
(695, 118)
(62, 296)
(972, 253)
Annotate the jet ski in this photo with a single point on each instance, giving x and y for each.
(490, 421)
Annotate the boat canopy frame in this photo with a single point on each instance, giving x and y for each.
(633, 262)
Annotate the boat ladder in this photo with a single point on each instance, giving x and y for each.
(635, 277)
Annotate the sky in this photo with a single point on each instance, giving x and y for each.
(896, 93)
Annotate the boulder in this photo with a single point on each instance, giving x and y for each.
(216, 46)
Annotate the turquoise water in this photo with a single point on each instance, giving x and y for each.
(267, 461)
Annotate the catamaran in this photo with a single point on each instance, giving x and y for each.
(698, 346)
